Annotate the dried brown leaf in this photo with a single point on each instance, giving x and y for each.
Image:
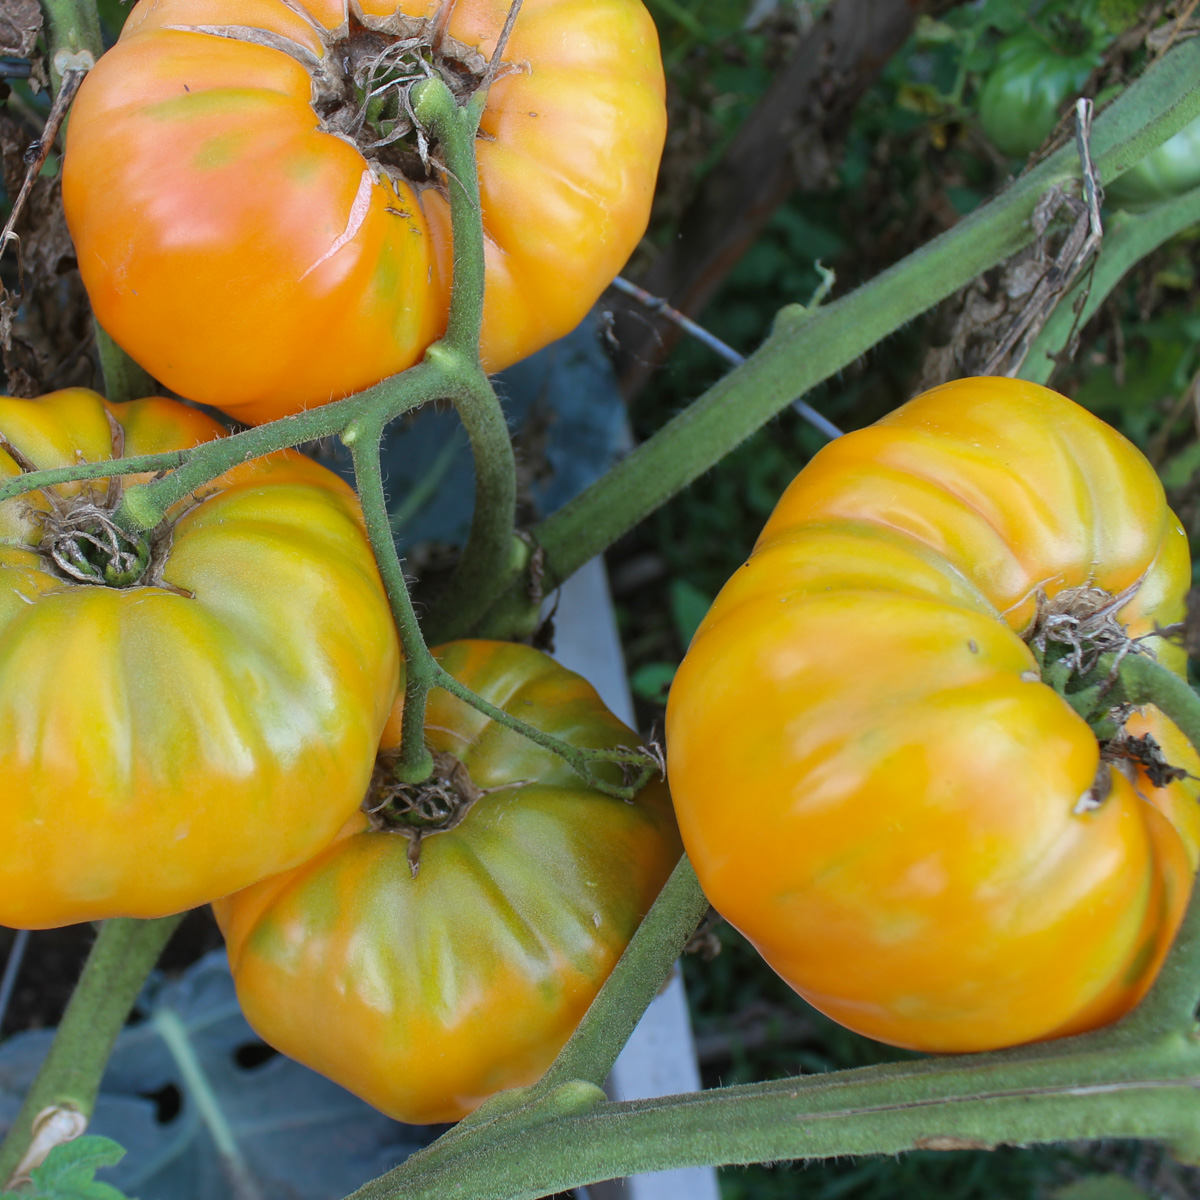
(20, 24)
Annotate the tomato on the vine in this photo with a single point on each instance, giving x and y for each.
(872, 780)
(186, 712)
(1037, 70)
(1169, 171)
(259, 225)
(450, 940)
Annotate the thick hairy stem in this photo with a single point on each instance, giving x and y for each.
(610, 1019)
(139, 464)
(72, 28)
(1086, 1087)
(123, 378)
(122, 957)
(634, 982)
(490, 546)
(145, 505)
(1127, 240)
(455, 128)
(415, 763)
(808, 347)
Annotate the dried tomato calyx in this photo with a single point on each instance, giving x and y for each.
(362, 79)
(381, 60)
(1079, 624)
(1080, 645)
(84, 543)
(439, 802)
(420, 809)
(1125, 751)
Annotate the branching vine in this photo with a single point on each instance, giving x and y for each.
(562, 1132)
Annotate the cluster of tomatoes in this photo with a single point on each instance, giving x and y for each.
(211, 712)
(870, 776)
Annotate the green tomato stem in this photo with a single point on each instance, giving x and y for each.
(488, 552)
(1097, 1085)
(806, 348)
(1141, 680)
(20, 485)
(121, 959)
(415, 763)
(581, 759)
(455, 128)
(145, 505)
(635, 981)
(123, 378)
(71, 26)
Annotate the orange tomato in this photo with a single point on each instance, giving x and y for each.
(241, 238)
(211, 721)
(870, 777)
(426, 994)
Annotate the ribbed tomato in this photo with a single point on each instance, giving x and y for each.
(248, 232)
(183, 715)
(872, 780)
(426, 993)
(1038, 69)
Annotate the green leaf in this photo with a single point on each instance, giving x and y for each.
(652, 681)
(689, 606)
(1181, 468)
(68, 1172)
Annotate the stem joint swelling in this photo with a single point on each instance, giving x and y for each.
(634, 766)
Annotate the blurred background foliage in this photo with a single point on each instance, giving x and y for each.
(895, 137)
(915, 156)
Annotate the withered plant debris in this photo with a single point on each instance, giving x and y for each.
(416, 810)
(1000, 314)
(1084, 620)
(20, 24)
(1146, 753)
(362, 81)
(45, 322)
(1186, 24)
(80, 539)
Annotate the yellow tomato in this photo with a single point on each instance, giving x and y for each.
(870, 777)
(210, 721)
(427, 993)
(248, 241)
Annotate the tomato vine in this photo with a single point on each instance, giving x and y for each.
(562, 1132)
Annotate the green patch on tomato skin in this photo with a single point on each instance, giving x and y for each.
(219, 151)
(269, 941)
(240, 104)
(303, 169)
(1140, 962)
